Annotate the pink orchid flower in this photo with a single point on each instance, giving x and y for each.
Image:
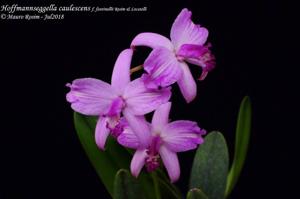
(164, 141)
(94, 97)
(166, 64)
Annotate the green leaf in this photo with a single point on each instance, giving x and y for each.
(106, 163)
(243, 129)
(147, 185)
(210, 167)
(167, 189)
(196, 194)
(126, 186)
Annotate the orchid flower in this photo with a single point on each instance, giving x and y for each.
(166, 64)
(94, 97)
(164, 141)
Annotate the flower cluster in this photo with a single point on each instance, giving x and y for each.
(122, 105)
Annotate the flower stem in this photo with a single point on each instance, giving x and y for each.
(156, 186)
(137, 68)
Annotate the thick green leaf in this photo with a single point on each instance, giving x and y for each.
(243, 129)
(167, 189)
(210, 167)
(196, 194)
(147, 185)
(127, 187)
(117, 153)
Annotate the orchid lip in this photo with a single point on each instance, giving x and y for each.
(152, 159)
(152, 162)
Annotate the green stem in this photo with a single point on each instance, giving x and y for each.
(156, 186)
(135, 69)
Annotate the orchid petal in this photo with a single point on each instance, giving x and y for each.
(137, 162)
(121, 73)
(182, 135)
(139, 126)
(141, 100)
(162, 67)
(101, 132)
(171, 163)
(90, 96)
(187, 84)
(152, 40)
(161, 116)
(128, 139)
(184, 31)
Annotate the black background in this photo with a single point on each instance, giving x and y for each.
(41, 156)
